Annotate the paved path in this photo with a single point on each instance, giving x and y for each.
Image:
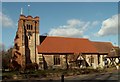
(115, 75)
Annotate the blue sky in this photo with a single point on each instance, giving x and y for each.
(93, 20)
(60, 1)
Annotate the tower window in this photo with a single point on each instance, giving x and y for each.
(31, 27)
(27, 26)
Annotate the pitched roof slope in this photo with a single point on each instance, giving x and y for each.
(65, 45)
(115, 52)
(103, 47)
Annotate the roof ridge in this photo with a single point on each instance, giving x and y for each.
(65, 37)
(101, 42)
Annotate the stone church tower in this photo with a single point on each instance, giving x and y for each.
(26, 40)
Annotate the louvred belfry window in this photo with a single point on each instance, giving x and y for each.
(56, 59)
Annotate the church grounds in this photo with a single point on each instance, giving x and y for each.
(51, 73)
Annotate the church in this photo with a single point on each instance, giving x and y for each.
(54, 51)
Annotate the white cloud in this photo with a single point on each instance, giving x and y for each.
(66, 32)
(109, 26)
(74, 27)
(94, 23)
(86, 36)
(6, 20)
(74, 22)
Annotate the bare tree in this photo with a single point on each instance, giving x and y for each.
(6, 56)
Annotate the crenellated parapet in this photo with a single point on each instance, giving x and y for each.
(31, 24)
(29, 17)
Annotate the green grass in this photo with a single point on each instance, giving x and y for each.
(9, 73)
(55, 72)
(58, 71)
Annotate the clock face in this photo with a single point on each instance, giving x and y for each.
(29, 33)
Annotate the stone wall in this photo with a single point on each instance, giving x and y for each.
(49, 59)
(46, 61)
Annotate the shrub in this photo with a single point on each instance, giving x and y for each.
(14, 66)
(32, 66)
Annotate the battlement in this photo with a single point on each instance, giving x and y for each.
(29, 17)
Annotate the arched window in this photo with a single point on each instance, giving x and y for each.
(31, 27)
(56, 59)
(27, 26)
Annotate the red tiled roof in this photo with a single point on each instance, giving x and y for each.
(65, 45)
(103, 47)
